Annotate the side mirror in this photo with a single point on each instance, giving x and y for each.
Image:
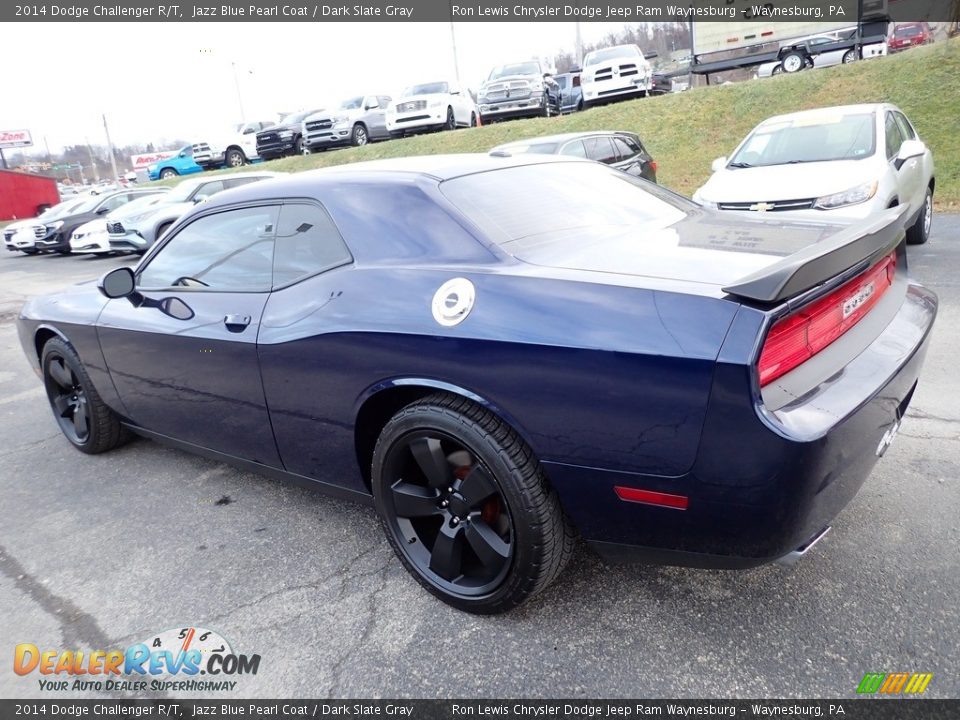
(650, 56)
(372, 107)
(909, 149)
(117, 283)
(183, 154)
(719, 164)
(249, 130)
(197, 199)
(103, 210)
(547, 75)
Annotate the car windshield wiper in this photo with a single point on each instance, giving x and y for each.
(740, 165)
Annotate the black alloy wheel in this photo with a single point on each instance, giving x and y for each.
(466, 507)
(84, 419)
(451, 123)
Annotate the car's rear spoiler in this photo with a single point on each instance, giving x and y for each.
(859, 244)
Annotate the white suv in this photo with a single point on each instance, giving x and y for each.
(614, 73)
(833, 164)
(430, 106)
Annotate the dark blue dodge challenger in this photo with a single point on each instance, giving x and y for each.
(499, 353)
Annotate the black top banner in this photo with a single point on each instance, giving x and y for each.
(580, 709)
(483, 11)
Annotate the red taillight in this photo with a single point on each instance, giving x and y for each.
(653, 165)
(651, 497)
(798, 337)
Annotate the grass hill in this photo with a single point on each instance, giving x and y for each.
(686, 131)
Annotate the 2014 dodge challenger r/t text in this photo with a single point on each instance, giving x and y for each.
(500, 352)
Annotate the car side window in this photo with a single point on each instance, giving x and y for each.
(230, 251)
(600, 149)
(906, 129)
(116, 201)
(624, 149)
(237, 182)
(575, 149)
(894, 138)
(208, 189)
(307, 243)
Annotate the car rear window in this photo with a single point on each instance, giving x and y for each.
(520, 207)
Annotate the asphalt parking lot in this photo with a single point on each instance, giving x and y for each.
(101, 552)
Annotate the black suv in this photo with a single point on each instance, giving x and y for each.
(620, 149)
(284, 138)
(53, 234)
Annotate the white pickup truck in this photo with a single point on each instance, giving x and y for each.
(234, 148)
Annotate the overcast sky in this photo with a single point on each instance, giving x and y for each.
(156, 82)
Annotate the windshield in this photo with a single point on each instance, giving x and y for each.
(572, 200)
(295, 118)
(820, 137)
(63, 208)
(182, 192)
(502, 71)
(135, 206)
(907, 31)
(436, 88)
(352, 103)
(599, 56)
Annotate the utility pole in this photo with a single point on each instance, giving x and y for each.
(578, 44)
(113, 157)
(93, 163)
(453, 42)
(236, 82)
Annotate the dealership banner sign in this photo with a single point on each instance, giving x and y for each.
(15, 138)
(580, 709)
(483, 10)
(141, 161)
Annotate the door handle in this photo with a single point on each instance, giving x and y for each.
(236, 323)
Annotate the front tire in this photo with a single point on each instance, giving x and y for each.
(919, 232)
(466, 506)
(83, 417)
(359, 136)
(168, 173)
(235, 158)
(793, 62)
(451, 123)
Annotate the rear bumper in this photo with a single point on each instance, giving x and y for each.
(764, 484)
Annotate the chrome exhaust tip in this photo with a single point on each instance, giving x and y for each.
(792, 558)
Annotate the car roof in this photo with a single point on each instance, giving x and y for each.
(437, 168)
(560, 138)
(843, 109)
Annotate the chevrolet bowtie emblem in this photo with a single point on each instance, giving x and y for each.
(762, 207)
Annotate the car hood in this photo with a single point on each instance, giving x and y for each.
(430, 97)
(509, 78)
(94, 226)
(706, 247)
(161, 211)
(787, 182)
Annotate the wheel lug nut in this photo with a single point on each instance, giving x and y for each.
(444, 503)
(455, 521)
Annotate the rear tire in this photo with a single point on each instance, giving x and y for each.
(849, 56)
(919, 232)
(466, 506)
(85, 420)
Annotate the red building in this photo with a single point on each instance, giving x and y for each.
(24, 196)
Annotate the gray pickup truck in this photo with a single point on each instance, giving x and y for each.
(521, 89)
(356, 121)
